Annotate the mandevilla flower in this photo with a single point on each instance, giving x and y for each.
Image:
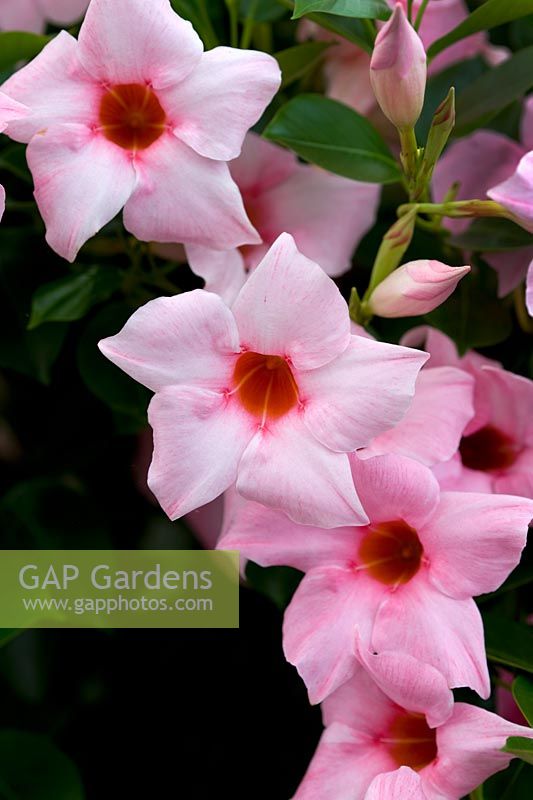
(134, 114)
(327, 215)
(9, 110)
(405, 580)
(272, 395)
(415, 288)
(32, 15)
(398, 70)
(370, 733)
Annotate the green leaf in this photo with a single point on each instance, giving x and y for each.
(492, 235)
(521, 747)
(489, 15)
(523, 694)
(277, 583)
(20, 46)
(360, 9)
(493, 91)
(296, 61)
(260, 10)
(348, 28)
(334, 137)
(120, 392)
(508, 642)
(32, 768)
(71, 298)
(8, 634)
(514, 783)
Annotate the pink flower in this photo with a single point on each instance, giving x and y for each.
(135, 115)
(529, 289)
(327, 215)
(398, 70)
(405, 580)
(369, 734)
(478, 163)
(417, 287)
(496, 451)
(32, 15)
(516, 193)
(272, 394)
(9, 110)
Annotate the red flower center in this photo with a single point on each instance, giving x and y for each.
(131, 116)
(265, 385)
(391, 552)
(410, 741)
(488, 449)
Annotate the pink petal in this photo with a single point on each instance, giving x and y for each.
(63, 12)
(222, 270)
(470, 751)
(411, 684)
(516, 193)
(199, 439)
(359, 394)
(10, 110)
(508, 400)
(187, 339)
(402, 784)
(478, 162)
(394, 487)
(132, 41)
(441, 348)
(269, 537)
(343, 766)
(262, 165)
(320, 625)
(431, 430)
(348, 80)
(22, 15)
(511, 266)
(288, 469)
(55, 87)
(360, 704)
(221, 99)
(529, 289)
(2, 201)
(526, 129)
(81, 182)
(290, 307)
(182, 197)
(474, 541)
(206, 522)
(419, 620)
(452, 475)
(327, 215)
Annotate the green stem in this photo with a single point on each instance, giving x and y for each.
(370, 26)
(248, 28)
(409, 156)
(233, 11)
(410, 10)
(420, 14)
(210, 37)
(460, 208)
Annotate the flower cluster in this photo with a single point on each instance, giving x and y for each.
(398, 478)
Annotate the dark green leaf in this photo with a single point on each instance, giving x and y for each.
(104, 379)
(492, 235)
(521, 33)
(32, 768)
(348, 28)
(20, 46)
(334, 137)
(261, 10)
(13, 160)
(489, 15)
(514, 783)
(493, 91)
(277, 583)
(523, 694)
(71, 298)
(508, 642)
(296, 61)
(521, 747)
(360, 9)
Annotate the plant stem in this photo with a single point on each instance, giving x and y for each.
(410, 10)
(460, 208)
(420, 14)
(409, 157)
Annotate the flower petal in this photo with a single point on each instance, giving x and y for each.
(132, 41)
(10, 110)
(473, 541)
(394, 487)
(360, 704)
(402, 784)
(222, 270)
(288, 469)
(470, 751)
(289, 307)
(24, 15)
(320, 625)
(516, 193)
(199, 439)
(432, 428)
(182, 197)
(262, 165)
(419, 620)
(358, 395)
(56, 89)
(81, 182)
(190, 338)
(63, 12)
(221, 99)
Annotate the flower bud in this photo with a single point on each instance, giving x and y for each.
(398, 70)
(415, 288)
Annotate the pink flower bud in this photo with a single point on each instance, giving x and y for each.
(398, 70)
(415, 288)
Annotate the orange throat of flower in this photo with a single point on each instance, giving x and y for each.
(410, 741)
(391, 552)
(264, 385)
(131, 116)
